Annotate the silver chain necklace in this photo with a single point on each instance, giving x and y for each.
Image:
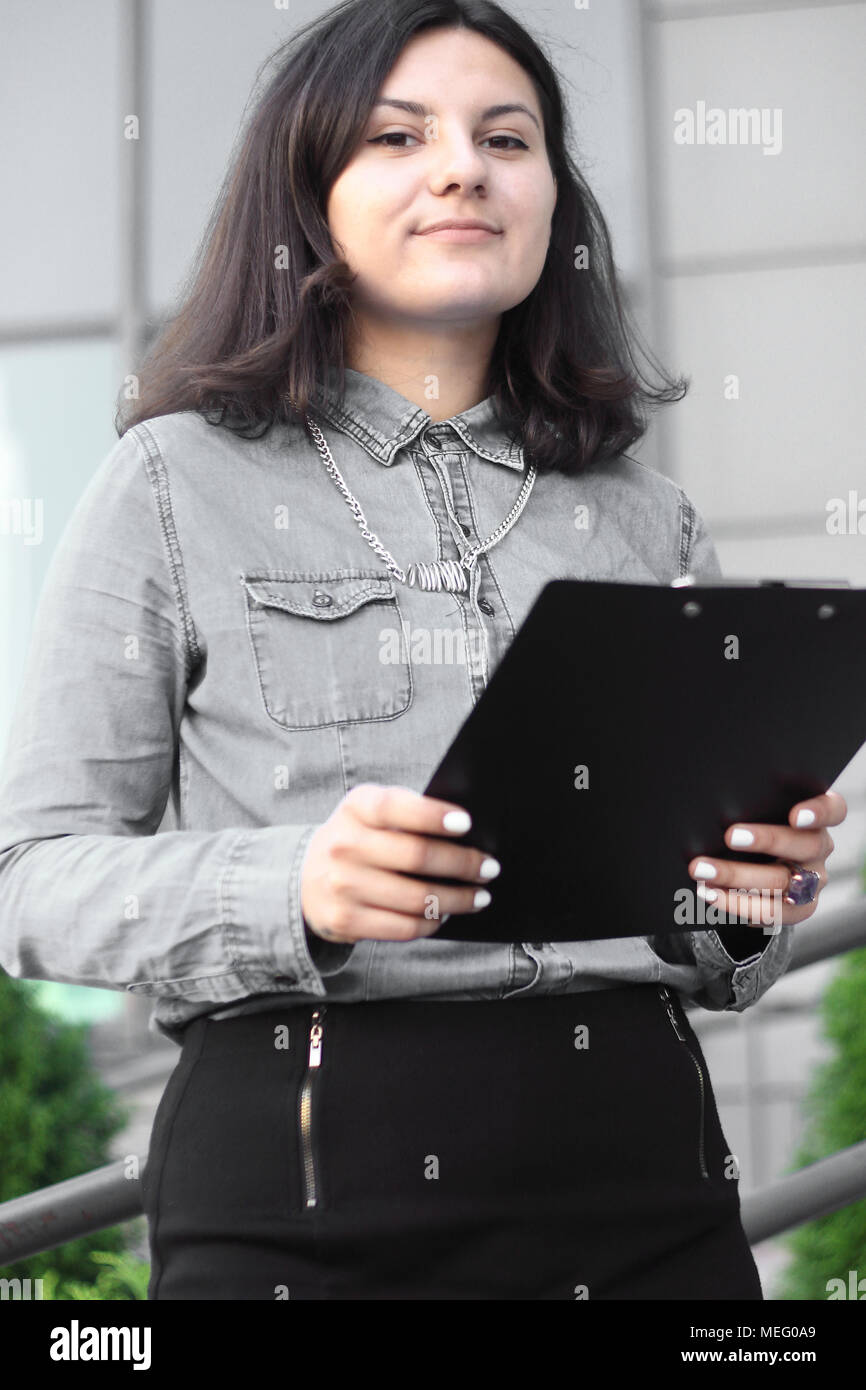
(451, 575)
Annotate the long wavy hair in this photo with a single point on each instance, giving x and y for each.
(250, 333)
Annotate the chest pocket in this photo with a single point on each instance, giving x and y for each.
(324, 646)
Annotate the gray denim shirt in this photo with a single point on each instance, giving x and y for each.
(207, 678)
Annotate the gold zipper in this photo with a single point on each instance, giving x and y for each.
(668, 1002)
(305, 1109)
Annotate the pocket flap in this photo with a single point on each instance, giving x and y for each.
(326, 596)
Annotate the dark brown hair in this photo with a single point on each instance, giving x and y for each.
(249, 332)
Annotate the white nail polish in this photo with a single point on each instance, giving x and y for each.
(482, 898)
(704, 870)
(740, 838)
(490, 868)
(805, 817)
(460, 821)
(708, 894)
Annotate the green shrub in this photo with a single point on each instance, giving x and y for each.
(57, 1120)
(832, 1245)
(122, 1277)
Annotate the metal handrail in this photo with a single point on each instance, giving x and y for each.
(815, 1190)
(51, 1216)
(831, 934)
(107, 1196)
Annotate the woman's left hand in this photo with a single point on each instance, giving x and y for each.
(808, 845)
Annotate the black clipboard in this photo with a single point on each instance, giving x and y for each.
(626, 689)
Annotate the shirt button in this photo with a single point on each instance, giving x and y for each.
(321, 599)
(486, 607)
(467, 530)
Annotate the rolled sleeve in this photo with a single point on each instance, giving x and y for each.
(260, 942)
(704, 971)
(747, 980)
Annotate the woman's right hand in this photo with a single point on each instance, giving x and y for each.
(351, 884)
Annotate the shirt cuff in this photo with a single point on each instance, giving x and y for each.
(749, 979)
(742, 943)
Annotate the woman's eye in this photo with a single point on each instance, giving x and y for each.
(392, 135)
(404, 135)
(516, 139)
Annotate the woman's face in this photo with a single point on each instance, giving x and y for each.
(459, 162)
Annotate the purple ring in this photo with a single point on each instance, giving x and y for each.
(803, 886)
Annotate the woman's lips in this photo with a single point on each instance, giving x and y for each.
(459, 234)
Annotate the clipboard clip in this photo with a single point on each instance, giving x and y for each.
(688, 580)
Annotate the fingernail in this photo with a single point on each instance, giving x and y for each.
(805, 817)
(482, 898)
(740, 837)
(704, 870)
(708, 894)
(490, 868)
(457, 820)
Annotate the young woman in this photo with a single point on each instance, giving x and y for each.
(400, 370)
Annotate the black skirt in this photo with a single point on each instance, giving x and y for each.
(555, 1147)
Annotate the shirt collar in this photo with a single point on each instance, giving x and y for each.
(383, 422)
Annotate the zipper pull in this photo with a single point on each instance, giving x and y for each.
(316, 1039)
(670, 1011)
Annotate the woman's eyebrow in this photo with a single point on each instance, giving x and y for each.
(416, 109)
